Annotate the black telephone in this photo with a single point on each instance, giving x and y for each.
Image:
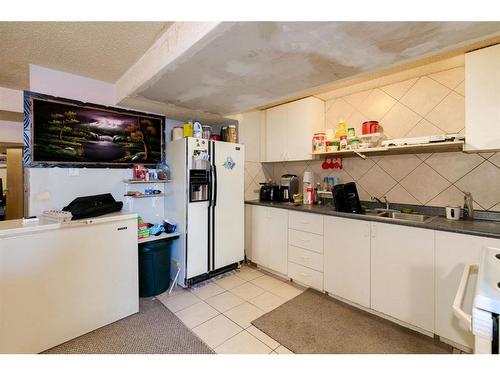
(93, 205)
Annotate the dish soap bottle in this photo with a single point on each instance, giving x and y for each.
(468, 207)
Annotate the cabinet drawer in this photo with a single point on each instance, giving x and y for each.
(305, 276)
(311, 223)
(305, 240)
(306, 258)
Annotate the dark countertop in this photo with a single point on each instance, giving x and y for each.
(484, 228)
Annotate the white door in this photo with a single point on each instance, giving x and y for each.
(347, 259)
(276, 133)
(197, 219)
(228, 205)
(402, 273)
(453, 252)
(197, 239)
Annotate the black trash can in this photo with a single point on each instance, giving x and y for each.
(154, 267)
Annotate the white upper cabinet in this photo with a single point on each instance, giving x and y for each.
(482, 99)
(276, 140)
(290, 128)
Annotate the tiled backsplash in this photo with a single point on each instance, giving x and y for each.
(426, 105)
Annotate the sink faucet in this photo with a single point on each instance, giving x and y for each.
(386, 202)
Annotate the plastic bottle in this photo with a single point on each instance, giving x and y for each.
(468, 207)
(197, 130)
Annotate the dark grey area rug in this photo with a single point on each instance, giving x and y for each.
(153, 330)
(312, 323)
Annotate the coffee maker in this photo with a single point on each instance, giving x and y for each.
(289, 185)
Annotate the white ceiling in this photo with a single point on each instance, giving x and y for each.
(99, 50)
(252, 64)
(236, 66)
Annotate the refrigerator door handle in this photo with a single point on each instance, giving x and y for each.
(215, 185)
(210, 183)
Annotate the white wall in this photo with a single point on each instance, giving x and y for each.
(11, 131)
(56, 83)
(11, 100)
(53, 188)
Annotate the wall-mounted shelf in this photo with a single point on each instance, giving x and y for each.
(147, 182)
(145, 196)
(406, 149)
(159, 237)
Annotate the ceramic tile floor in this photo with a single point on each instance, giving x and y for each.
(220, 312)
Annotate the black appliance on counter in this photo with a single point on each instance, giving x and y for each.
(270, 192)
(93, 205)
(346, 198)
(289, 186)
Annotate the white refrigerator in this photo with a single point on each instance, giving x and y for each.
(206, 200)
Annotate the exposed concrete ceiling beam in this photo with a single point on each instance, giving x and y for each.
(179, 39)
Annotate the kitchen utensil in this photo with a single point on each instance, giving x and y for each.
(290, 183)
(346, 198)
(265, 192)
(453, 213)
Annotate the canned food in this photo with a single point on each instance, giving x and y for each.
(319, 142)
(232, 134)
(206, 132)
(351, 132)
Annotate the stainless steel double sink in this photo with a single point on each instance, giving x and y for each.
(397, 215)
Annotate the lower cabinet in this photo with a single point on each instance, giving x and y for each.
(411, 274)
(347, 259)
(402, 273)
(453, 252)
(268, 231)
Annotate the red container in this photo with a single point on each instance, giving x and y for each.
(374, 127)
(369, 127)
(365, 128)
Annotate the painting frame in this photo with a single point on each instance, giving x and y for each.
(29, 128)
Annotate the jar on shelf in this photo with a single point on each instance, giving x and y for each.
(343, 142)
(319, 142)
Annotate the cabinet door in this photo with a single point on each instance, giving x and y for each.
(482, 99)
(347, 259)
(269, 238)
(276, 133)
(305, 117)
(453, 252)
(402, 273)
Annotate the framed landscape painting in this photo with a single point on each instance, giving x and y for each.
(69, 132)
